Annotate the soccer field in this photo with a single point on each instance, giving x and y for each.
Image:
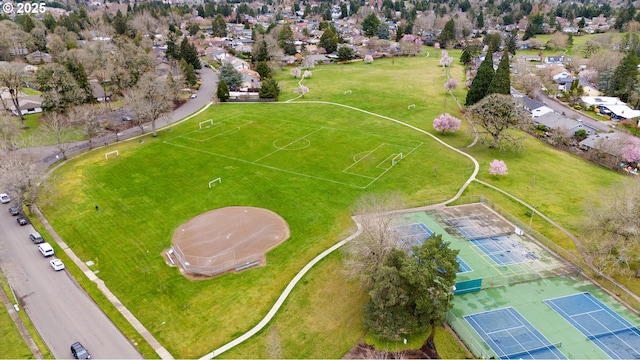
(344, 157)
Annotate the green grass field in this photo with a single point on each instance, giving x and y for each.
(309, 163)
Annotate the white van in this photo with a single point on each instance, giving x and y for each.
(45, 249)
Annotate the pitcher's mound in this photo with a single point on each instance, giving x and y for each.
(228, 239)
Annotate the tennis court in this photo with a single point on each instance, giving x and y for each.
(609, 331)
(504, 250)
(511, 336)
(463, 267)
(412, 234)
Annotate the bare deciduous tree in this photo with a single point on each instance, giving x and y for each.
(12, 78)
(17, 173)
(495, 114)
(86, 116)
(367, 253)
(9, 129)
(613, 233)
(150, 100)
(58, 126)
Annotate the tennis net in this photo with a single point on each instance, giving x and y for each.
(549, 347)
(613, 332)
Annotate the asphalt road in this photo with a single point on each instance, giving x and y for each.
(57, 306)
(561, 108)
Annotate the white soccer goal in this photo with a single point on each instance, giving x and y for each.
(115, 152)
(412, 106)
(348, 92)
(396, 159)
(207, 123)
(212, 182)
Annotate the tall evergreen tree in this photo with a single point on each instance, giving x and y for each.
(189, 53)
(264, 70)
(285, 40)
(370, 24)
(222, 93)
(501, 82)
(480, 20)
(219, 26)
(269, 89)
(329, 40)
(625, 77)
(448, 34)
(482, 81)
(119, 23)
(76, 69)
(188, 72)
(230, 75)
(172, 51)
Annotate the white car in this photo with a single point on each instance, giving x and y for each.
(4, 198)
(57, 264)
(193, 96)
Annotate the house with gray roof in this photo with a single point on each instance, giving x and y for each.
(534, 107)
(556, 122)
(611, 143)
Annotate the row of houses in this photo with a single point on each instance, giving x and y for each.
(543, 117)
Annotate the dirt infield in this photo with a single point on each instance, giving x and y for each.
(227, 239)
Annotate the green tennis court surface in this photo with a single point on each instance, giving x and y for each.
(487, 286)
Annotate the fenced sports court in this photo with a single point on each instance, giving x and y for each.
(616, 336)
(512, 337)
(412, 234)
(503, 270)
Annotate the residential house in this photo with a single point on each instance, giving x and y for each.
(39, 57)
(611, 143)
(553, 121)
(99, 93)
(28, 105)
(611, 106)
(554, 60)
(318, 59)
(535, 108)
(250, 79)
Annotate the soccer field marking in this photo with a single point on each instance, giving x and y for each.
(233, 130)
(267, 166)
(291, 143)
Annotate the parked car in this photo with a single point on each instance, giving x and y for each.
(4, 198)
(193, 96)
(36, 238)
(79, 352)
(57, 264)
(14, 210)
(45, 249)
(127, 118)
(22, 221)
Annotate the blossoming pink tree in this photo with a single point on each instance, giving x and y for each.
(451, 84)
(631, 151)
(368, 59)
(498, 167)
(306, 74)
(445, 60)
(302, 90)
(446, 122)
(295, 72)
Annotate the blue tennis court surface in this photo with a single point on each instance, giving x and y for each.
(462, 266)
(510, 336)
(504, 250)
(413, 234)
(612, 333)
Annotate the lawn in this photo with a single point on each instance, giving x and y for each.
(312, 181)
(158, 183)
